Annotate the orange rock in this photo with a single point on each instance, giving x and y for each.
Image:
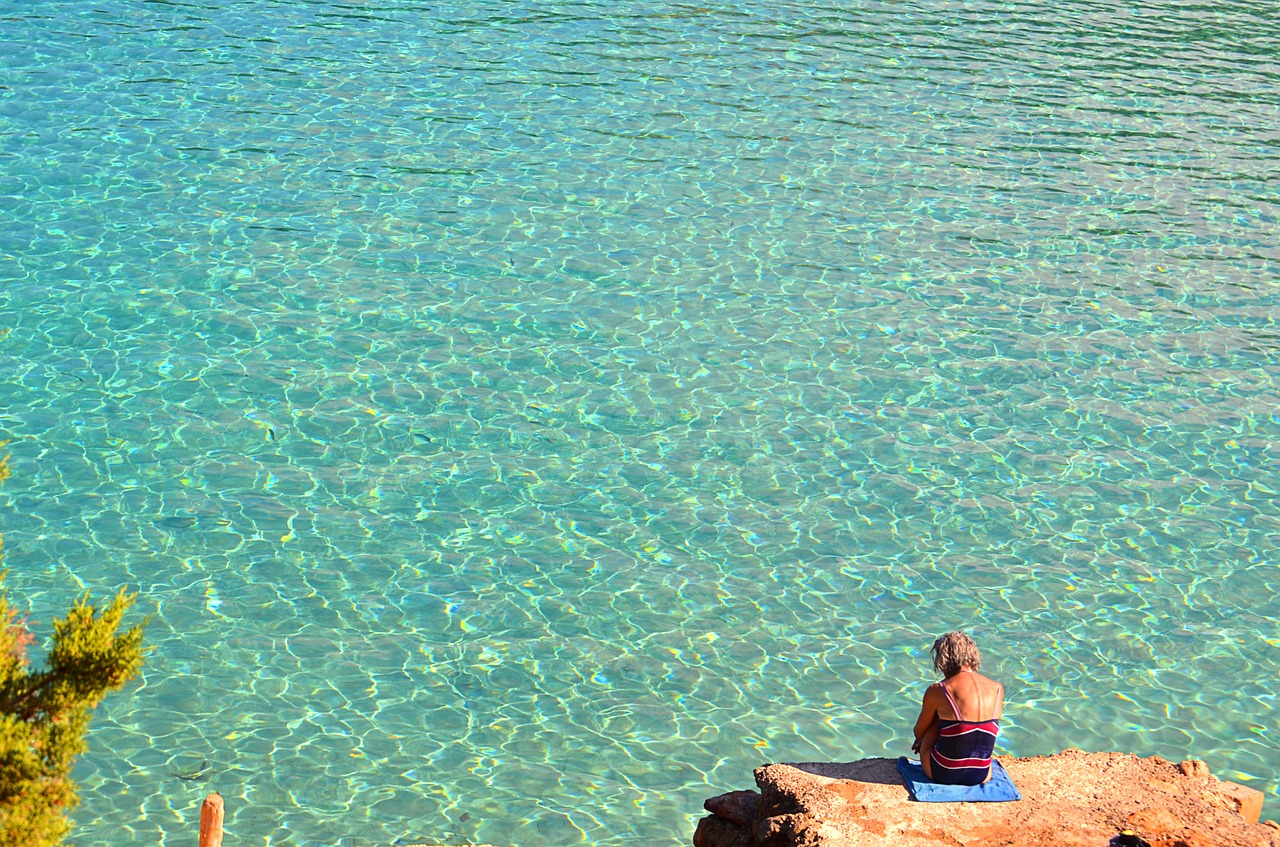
(1247, 801)
(741, 807)
(1195, 839)
(781, 829)
(847, 789)
(1072, 799)
(1154, 823)
(1194, 767)
(714, 831)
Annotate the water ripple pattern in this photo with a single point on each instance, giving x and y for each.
(522, 419)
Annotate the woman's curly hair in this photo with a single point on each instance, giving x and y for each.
(954, 652)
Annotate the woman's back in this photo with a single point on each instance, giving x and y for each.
(966, 737)
(975, 696)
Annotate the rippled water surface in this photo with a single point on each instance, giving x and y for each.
(522, 419)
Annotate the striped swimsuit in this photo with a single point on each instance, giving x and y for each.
(962, 755)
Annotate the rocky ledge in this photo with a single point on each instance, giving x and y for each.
(1071, 799)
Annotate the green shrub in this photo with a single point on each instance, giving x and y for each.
(44, 714)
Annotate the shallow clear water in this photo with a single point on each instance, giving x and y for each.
(521, 420)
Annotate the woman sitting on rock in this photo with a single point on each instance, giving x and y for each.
(960, 717)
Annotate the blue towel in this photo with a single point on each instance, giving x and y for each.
(998, 789)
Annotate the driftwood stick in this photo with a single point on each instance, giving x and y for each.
(211, 821)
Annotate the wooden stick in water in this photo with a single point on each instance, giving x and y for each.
(211, 821)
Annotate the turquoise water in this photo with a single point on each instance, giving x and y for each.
(521, 420)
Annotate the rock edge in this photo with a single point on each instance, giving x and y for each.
(1070, 799)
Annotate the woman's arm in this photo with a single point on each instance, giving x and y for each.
(928, 715)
